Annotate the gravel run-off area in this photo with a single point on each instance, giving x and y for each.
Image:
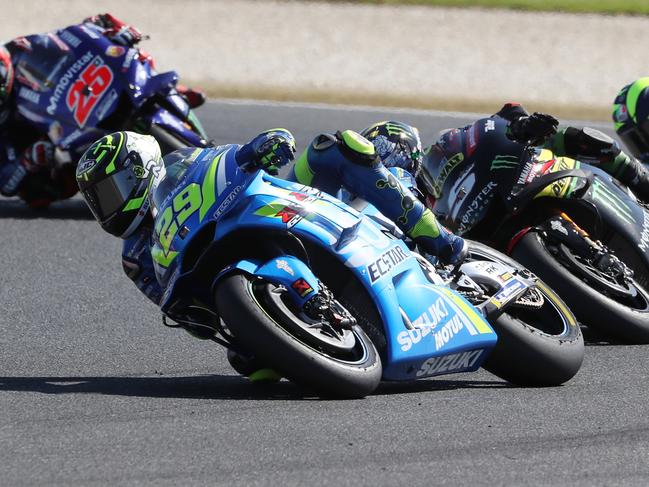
(446, 58)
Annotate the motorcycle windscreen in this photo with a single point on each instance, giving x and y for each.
(176, 165)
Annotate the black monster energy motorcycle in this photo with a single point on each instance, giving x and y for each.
(571, 223)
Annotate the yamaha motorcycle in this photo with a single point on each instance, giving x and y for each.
(569, 222)
(334, 300)
(81, 86)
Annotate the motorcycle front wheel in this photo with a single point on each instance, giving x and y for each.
(342, 363)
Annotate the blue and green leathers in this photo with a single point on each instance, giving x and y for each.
(348, 160)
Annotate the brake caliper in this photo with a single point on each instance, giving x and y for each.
(324, 309)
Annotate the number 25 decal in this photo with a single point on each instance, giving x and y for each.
(86, 91)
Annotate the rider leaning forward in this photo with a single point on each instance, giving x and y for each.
(117, 172)
(584, 144)
(28, 162)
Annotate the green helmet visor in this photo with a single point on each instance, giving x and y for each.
(109, 195)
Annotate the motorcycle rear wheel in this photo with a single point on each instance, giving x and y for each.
(628, 322)
(263, 323)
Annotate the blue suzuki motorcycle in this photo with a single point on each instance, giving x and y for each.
(80, 86)
(333, 299)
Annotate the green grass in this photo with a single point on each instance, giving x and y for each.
(635, 7)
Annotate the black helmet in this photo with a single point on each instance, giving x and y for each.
(631, 117)
(6, 76)
(397, 144)
(114, 177)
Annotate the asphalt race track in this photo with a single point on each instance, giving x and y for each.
(94, 390)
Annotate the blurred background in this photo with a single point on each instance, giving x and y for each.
(393, 53)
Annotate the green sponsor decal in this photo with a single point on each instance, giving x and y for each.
(606, 197)
(138, 171)
(504, 162)
(208, 188)
(184, 204)
(451, 164)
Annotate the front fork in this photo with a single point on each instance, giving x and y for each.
(562, 229)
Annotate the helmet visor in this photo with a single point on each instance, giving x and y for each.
(434, 160)
(109, 195)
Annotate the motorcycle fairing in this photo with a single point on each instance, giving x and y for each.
(441, 323)
(614, 204)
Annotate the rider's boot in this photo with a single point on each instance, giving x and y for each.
(437, 240)
(251, 368)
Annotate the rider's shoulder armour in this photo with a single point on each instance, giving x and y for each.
(357, 148)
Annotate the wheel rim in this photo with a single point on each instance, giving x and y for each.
(607, 281)
(542, 318)
(346, 346)
(623, 290)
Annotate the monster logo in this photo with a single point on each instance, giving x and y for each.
(504, 162)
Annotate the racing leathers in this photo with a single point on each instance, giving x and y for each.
(586, 144)
(348, 160)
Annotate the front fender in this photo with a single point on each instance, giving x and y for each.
(285, 270)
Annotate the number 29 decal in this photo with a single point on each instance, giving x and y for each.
(86, 91)
(184, 204)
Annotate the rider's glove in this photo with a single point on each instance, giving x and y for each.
(534, 129)
(116, 30)
(126, 36)
(269, 151)
(38, 156)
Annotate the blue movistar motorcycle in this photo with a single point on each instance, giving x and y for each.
(332, 299)
(80, 86)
